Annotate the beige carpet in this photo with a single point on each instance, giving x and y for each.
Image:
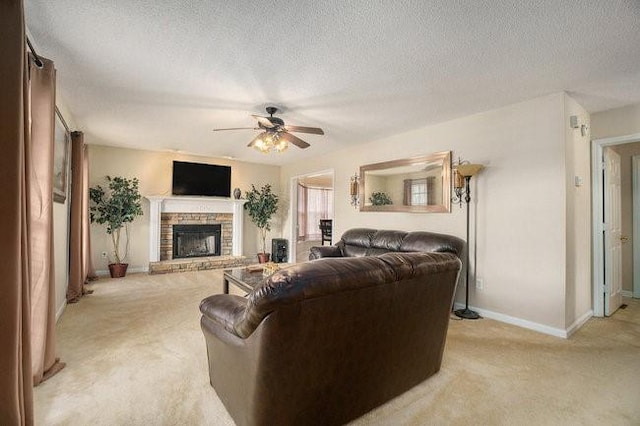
(136, 356)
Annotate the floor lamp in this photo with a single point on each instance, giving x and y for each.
(463, 174)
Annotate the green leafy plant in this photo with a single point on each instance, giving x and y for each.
(116, 206)
(261, 205)
(380, 199)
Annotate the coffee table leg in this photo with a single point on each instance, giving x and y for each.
(225, 286)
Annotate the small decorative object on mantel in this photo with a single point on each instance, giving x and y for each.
(261, 205)
(237, 193)
(116, 206)
(463, 171)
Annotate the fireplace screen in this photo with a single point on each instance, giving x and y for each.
(196, 240)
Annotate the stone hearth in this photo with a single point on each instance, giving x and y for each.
(199, 264)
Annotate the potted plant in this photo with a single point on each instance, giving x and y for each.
(115, 207)
(380, 199)
(262, 204)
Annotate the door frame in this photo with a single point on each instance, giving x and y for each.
(293, 207)
(635, 170)
(597, 186)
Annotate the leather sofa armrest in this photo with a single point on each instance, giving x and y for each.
(324, 251)
(224, 309)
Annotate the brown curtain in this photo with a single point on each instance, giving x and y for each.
(431, 190)
(39, 171)
(80, 264)
(302, 212)
(406, 197)
(16, 398)
(27, 300)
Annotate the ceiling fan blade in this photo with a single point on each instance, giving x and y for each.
(237, 128)
(253, 142)
(264, 121)
(302, 129)
(294, 140)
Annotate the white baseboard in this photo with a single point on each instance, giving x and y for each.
(626, 293)
(579, 322)
(105, 272)
(541, 328)
(61, 310)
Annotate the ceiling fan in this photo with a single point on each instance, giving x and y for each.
(275, 134)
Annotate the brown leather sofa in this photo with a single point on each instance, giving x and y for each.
(323, 342)
(370, 242)
(358, 242)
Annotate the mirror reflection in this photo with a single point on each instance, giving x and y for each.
(417, 184)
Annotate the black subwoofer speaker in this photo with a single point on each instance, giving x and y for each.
(279, 250)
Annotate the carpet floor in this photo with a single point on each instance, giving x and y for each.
(136, 356)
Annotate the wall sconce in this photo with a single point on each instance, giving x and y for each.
(353, 190)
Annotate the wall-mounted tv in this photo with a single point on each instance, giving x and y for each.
(201, 179)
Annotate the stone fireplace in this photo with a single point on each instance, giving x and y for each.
(196, 240)
(191, 227)
(194, 233)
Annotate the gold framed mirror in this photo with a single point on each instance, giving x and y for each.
(417, 185)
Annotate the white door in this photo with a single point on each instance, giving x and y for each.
(612, 234)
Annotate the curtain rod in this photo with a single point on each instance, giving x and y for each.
(38, 61)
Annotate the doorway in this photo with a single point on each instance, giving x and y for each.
(312, 200)
(606, 238)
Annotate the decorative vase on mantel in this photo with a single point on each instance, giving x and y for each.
(237, 193)
(263, 257)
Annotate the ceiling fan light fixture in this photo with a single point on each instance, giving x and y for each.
(281, 145)
(271, 142)
(276, 136)
(260, 145)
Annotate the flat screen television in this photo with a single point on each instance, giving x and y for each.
(201, 179)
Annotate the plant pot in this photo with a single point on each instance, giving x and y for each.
(118, 270)
(263, 257)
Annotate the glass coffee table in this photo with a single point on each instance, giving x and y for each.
(241, 278)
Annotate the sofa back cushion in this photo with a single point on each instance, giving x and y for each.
(433, 242)
(371, 242)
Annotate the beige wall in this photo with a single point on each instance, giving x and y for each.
(616, 122)
(154, 170)
(519, 203)
(578, 291)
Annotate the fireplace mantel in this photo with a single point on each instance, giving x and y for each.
(159, 204)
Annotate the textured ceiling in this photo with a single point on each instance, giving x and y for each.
(160, 74)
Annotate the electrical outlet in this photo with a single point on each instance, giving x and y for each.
(103, 254)
(479, 284)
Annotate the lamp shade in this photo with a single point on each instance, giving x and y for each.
(469, 169)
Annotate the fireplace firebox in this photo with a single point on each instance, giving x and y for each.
(196, 240)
